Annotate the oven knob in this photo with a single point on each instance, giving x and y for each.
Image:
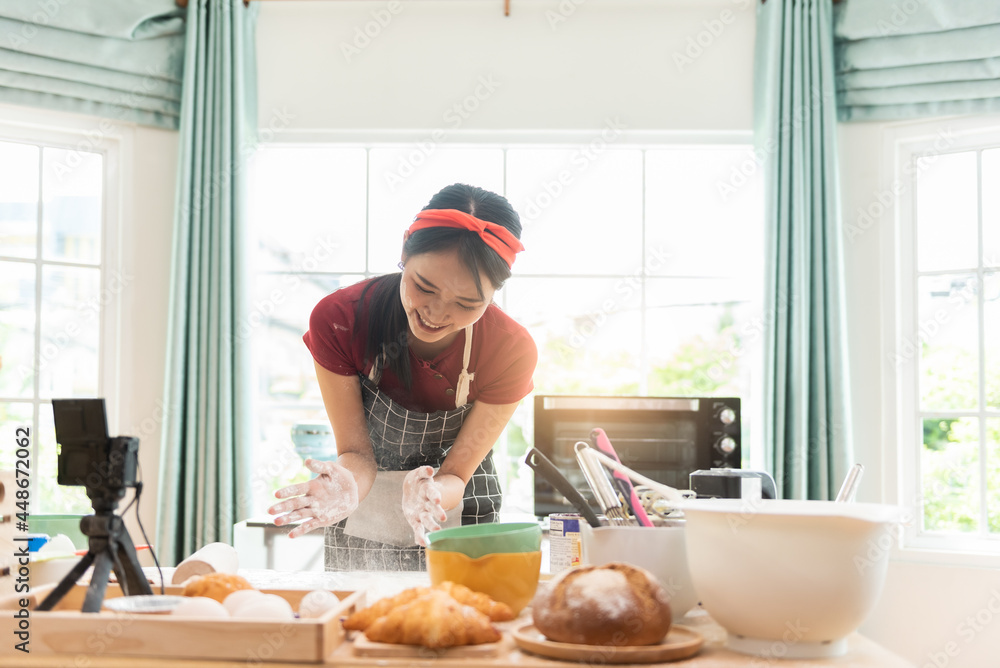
(727, 416)
(726, 444)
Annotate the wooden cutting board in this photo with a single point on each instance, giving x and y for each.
(364, 647)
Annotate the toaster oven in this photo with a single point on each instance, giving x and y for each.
(663, 438)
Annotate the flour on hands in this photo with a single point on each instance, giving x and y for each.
(422, 503)
(328, 498)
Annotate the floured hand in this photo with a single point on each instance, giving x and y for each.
(328, 498)
(422, 503)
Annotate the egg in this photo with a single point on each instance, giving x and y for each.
(239, 598)
(200, 606)
(316, 603)
(265, 606)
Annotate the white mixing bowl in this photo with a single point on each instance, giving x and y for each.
(788, 579)
(660, 550)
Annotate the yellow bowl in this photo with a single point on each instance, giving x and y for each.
(508, 577)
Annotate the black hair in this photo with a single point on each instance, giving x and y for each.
(387, 325)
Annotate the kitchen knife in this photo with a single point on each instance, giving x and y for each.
(541, 465)
(601, 441)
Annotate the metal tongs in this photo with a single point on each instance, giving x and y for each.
(663, 500)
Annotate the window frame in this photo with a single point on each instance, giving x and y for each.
(114, 141)
(901, 433)
(515, 139)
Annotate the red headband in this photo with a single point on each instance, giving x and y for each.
(497, 237)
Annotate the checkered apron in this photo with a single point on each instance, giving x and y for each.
(403, 440)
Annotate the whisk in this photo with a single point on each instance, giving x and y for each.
(656, 497)
(606, 496)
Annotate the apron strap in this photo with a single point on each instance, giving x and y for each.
(465, 378)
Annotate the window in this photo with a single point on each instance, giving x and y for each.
(946, 353)
(643, 272)
(56, 295)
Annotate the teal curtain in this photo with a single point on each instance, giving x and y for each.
(901, 59)
(807, 426)
(118, 59)
(204, 473)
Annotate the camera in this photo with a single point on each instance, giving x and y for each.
(88, 457)
(106, 466)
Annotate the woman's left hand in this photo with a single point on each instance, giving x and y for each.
(422, 503)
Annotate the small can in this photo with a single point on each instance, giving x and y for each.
(564, 541)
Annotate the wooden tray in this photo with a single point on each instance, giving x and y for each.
(66, 630)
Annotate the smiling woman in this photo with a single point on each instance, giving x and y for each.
(419, 373)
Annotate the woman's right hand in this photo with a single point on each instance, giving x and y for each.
(326, 499)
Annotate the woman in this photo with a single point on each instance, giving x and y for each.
(419, 373)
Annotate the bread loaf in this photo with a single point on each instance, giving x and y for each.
(614, 604)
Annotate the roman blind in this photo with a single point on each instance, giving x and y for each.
(899, 59)
(120, 59)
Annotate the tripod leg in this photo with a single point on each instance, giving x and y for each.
(66, 583)
(130, 575)
(98, 582)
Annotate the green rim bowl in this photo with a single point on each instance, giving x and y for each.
(478, 540)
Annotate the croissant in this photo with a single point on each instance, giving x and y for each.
(495, 610)
(362, 619)
(436, 621)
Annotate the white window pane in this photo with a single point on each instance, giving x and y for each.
(588, 332)
(284, 365)
(308, 209)
(71, 309)
(991, 312)
(17, 329)
(581, 209)
(702, 336)
(72, 190)
(13, 415)
(947, 212)
(949, 466)
(53, 498)
(403, 180)
(993, 474)
(947, 342)
(18, 199)
(704, 212)
(991, 208)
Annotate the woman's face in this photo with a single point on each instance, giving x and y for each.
(439, 295)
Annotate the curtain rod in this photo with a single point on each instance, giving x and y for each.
(246, 3)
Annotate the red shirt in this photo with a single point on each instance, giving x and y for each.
(503, 355)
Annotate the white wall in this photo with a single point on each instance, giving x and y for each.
(552, 68)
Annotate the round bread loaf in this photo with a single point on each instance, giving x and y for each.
(614, 604)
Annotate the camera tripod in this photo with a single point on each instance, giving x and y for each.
(110, 547)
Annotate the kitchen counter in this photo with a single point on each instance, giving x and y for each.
(862, 652)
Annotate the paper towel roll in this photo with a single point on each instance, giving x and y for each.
(213, 558)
